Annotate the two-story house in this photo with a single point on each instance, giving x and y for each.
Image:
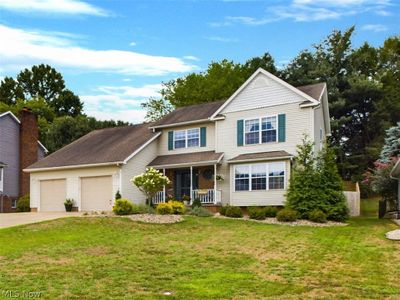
(19, 148)
(235, 152)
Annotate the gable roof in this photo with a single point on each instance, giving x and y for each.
(9, 113)
(189, 114)
(315, 90)
(105, 146)
(272, 77)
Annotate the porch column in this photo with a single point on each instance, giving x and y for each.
(215, 183)
(164, 187)
(191, 184)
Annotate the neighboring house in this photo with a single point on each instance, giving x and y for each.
(235, 152)
(19, 148)
(395, 174)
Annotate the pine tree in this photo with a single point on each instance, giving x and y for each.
(331, 185)
(303, 193)
(391, 148)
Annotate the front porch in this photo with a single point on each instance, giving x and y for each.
(192, 175)
(188, 184)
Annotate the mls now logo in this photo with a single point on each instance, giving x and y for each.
(21, 294)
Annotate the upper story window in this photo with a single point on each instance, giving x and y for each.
(187, 138)
(260, 130)
(264, 176)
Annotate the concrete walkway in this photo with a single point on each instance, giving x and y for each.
(14, 219)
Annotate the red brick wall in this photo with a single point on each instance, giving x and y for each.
(28, 147)
(7, 205)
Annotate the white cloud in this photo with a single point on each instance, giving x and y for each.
(191, 57)
(65, 7)
(119, 102)
(374, 27)
(23, 48)
(309, 11)
(132, 115)
(221, 39)
(132, 44)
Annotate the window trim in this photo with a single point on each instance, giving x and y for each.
(186, 138)
(267, 176)
(260, 129)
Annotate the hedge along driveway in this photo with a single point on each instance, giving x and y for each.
(200, 258)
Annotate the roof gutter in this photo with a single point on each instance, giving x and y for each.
(107, 164)
(188, 164)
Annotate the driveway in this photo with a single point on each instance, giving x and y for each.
(14, 219)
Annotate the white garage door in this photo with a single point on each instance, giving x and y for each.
(52, 195)
(96, 193)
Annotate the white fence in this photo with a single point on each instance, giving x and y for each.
(353, 201)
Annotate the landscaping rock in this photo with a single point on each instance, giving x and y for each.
(393, 235)
(295, 223)
(157, 219)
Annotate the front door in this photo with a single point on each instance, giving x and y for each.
(182, 183)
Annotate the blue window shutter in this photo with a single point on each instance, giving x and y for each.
(203, 136)
(240, 132)
(170, 140)
(281, 128)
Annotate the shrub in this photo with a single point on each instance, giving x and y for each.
(142, 209)
(287, 215)
(23, 204)
(123, 207)
(178, 208)
(338, 213)
(317, 216)
(118, 195)
(222, 210)
(164, 209)
(234, 212)
(270, 211)
(196, 203)
(256, 213)
(200, 212)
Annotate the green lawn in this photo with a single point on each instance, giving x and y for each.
(201, 258)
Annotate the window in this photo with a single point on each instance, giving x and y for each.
(242, 178)
(258, 177)
(14, 203)
(180, 139)
(187, 138)
(261, 130)
(252, 131)
(193, 137)
(268, 129)
(276, 176)
(266, 176)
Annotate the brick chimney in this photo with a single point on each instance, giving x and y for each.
(28, 147)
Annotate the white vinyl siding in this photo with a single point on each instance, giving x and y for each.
(319, 129)
(136, 166)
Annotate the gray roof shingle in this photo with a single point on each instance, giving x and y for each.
(186, 158)
(261, 156)
(190, 113)
(99, 146)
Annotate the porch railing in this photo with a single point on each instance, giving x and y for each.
(206, 196)
(158, 198)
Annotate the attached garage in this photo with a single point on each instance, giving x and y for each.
(92, 169)
(52, 194)
(96, 193)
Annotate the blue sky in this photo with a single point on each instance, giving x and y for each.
(115, 54)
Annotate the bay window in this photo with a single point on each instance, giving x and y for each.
(261, 176)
